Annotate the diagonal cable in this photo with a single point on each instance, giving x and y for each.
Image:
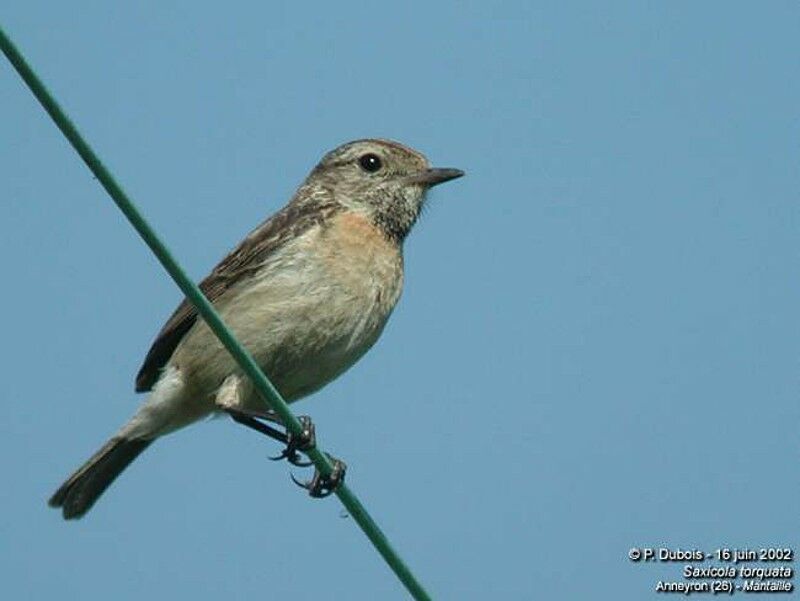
(206, 310)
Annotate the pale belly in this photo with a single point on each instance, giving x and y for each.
(305, 320)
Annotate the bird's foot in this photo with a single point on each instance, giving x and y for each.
(305, 441)
(321, 486)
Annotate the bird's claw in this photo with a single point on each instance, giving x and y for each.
(305, 441)
(321, 486)
(292, 457)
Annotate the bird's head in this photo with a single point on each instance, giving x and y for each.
(384, 180)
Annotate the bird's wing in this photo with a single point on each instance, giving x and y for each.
(255, 249)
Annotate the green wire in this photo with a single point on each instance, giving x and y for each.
(208, 313)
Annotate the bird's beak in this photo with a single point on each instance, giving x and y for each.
(434, 177)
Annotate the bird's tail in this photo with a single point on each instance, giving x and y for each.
(77, 495)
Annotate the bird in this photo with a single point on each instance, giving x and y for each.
(307, 293)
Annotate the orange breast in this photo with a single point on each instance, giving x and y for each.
(358, 254)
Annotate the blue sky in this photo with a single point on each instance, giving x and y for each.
(596, 349)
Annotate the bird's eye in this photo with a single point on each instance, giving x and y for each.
(370, 162)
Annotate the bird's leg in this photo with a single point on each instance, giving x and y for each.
(229, 399)
(319, 486)
(258, 426)
(305, 442)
